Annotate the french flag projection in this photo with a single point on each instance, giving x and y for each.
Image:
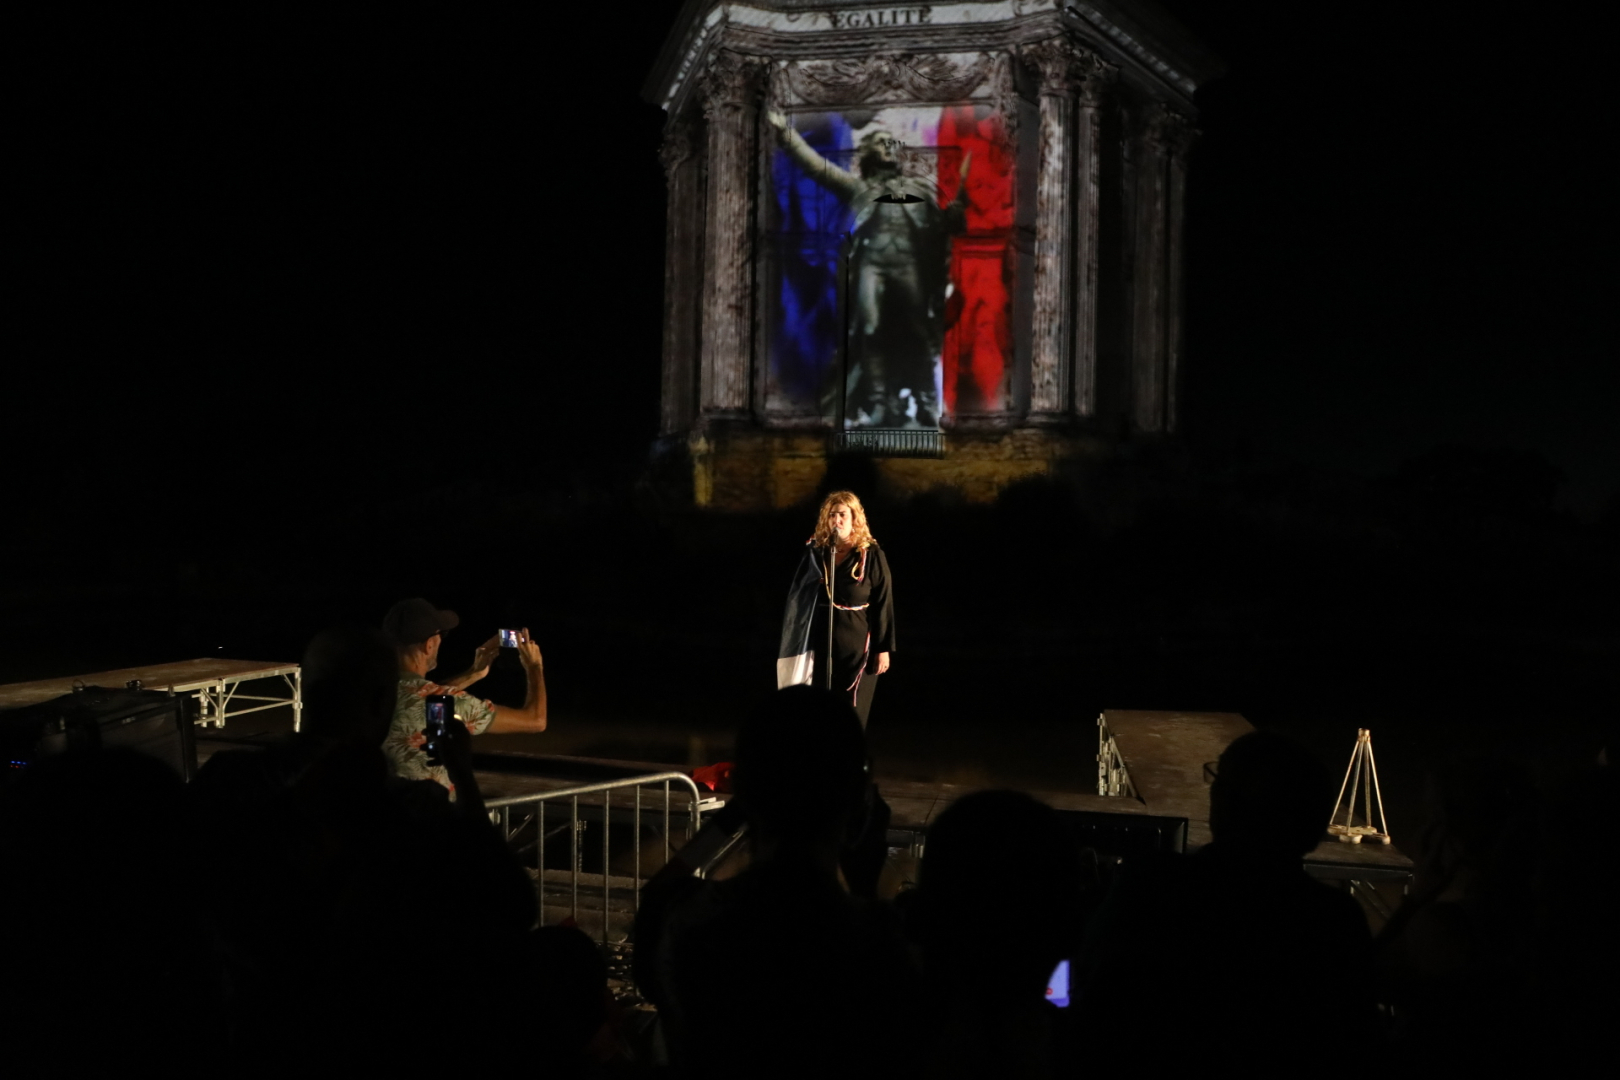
(890, 285)
(978, 315)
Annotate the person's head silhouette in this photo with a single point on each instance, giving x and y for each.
(1270, 797)
(802, 768)
(972, 847)
(350, 680)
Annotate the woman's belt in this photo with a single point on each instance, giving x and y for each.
(858, 607)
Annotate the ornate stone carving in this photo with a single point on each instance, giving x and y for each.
(729, 82)
(1099, 76)
(1004, 93)
(676, 148)
(885, 77)
(1054, 60)
(1066, 67)
(1165, 130)
(1180, 138)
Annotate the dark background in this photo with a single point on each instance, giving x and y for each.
(319, 309)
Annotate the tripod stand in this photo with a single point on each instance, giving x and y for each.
(827, 580)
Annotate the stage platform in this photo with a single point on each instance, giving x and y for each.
(1162, 755)
(215, 683)
(1156, 762)
(1148, 786)
(1157, 758)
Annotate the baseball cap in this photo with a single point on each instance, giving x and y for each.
(413, 621)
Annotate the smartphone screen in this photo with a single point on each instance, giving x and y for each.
(439, 711)
(509, 639)
(1057, 987)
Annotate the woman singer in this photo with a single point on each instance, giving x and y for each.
(842, 567)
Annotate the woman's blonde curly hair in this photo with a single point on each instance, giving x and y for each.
(859, 534)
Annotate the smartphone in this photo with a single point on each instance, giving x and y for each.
(440, 708)
(510, 639)
(1057, 987)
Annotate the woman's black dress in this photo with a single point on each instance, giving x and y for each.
(863, 625)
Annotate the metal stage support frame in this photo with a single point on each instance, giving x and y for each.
(215, 684)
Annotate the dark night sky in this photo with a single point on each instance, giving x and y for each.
(1393, 215)
(422, 242)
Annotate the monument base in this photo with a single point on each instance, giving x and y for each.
(743, 468)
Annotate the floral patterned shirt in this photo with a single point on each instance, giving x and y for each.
(403, 746)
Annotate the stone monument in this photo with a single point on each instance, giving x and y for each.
(948, 236)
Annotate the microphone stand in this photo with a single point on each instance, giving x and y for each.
(832, 559)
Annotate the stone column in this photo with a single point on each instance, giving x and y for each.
(1157, 129)
(728, 105)
(1087, 193)
(1054, 59)
(1180, 138)
(683, 231)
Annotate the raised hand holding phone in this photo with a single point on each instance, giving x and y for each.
(487, 654)
(528, 651)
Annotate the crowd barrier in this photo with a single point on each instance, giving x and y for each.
(523, 821)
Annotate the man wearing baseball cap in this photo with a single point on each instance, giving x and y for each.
(417, 628)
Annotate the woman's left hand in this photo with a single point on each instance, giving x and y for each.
(882, 664)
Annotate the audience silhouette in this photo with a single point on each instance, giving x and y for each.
(369, 900)
(299, 903)
(1234, 952)
(107, 950)
(1505, 951)
(999, 902)
(781, 968)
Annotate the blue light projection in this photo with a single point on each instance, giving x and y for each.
(812, 226)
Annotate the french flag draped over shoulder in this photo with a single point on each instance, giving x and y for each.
(794, 663)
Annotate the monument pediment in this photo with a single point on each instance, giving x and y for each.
(1135, 34)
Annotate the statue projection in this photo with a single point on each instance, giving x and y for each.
(884, 209)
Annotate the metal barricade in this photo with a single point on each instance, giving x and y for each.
(513, 815)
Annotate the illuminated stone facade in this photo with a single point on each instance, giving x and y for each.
(954, 227)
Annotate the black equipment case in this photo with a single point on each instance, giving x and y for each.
(152, 722)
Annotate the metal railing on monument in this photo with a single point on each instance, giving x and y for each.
(893, 442)
(618, 834)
